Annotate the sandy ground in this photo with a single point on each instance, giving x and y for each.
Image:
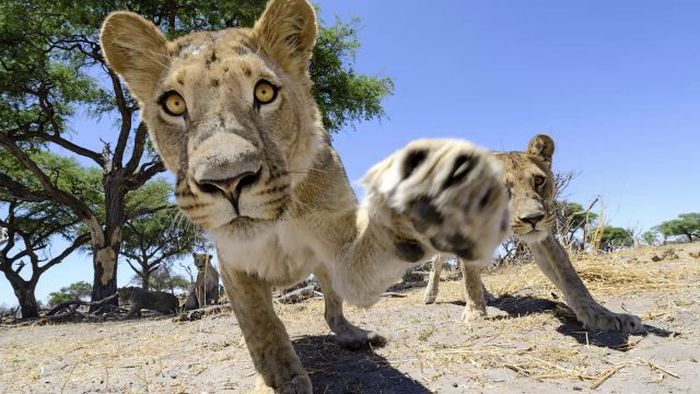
(530, 344)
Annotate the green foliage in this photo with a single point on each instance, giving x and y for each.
(75, 291)
(65, 172)
(343, 95)
(615, 237)
(576, 216)
(41, 220)
(54, 46)
(51, 65)
(158, 237)
(164, 279)
(687, 225)
(153, 240)
(650, 237)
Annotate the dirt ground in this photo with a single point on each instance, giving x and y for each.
(530, 343)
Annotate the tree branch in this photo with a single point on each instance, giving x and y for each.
(78, 242)
(139, 212)
(19, 191)
(77, 206)
(125, 113)
(139, 146)
(68, 145)
(134, 268)
(144, 175)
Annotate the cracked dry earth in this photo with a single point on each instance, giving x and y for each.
(529, 344)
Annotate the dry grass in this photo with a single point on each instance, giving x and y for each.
(619, 273)
(427, 342)
(504, 345)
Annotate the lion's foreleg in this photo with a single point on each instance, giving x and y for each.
(554, 262)
(431, 291)
(265, 336)
(475, 307)
(347, 334)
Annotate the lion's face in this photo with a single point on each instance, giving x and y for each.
(125, 293)
(529, 177)
(201, 260)
(229, 112)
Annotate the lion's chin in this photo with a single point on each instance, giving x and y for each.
(533, 236)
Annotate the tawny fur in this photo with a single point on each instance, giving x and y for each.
(206, 287)
(530, 201)
(139, 298)
(263, 180)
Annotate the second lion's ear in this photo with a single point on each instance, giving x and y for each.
(541, 147)
(135, 49)
(286, 32)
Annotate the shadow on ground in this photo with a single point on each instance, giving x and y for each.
(516, 306)
(335, 370)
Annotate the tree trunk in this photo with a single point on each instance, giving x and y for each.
(24, 291)
(106, 243)
(145, 278)
(27, 302)
(104, 282)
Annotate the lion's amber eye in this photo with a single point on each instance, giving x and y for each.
(539, 181)
(265, 92)
(173, 104)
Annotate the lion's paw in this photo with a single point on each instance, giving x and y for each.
(600, 318)
(440, 195)
(473, 315)
(299, 384)
(359, 339)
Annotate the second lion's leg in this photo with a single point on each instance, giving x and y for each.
(554, 262)
(431, 291)
(347, 335)
(265, 336)
(474, 291)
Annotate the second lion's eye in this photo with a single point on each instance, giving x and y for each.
(173, 104)
(265, 92)
(539, 181)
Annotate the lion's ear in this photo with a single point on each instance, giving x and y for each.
(541, 147)
(286, 32)
(135, 49)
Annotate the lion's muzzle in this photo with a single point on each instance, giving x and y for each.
(230, 164)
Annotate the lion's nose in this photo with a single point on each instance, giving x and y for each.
(532, 218)
(231, 185)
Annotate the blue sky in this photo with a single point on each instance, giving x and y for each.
(617, 84)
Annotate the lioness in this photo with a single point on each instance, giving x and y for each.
(206, 288)
(139, 298)
(232, 116)
(528, 176)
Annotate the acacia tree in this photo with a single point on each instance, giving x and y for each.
(151, 241)
(51, 62)
(612, 238)
(687, 224)
(31, 225)
(75, 291)
(650, 237)
(164, 278)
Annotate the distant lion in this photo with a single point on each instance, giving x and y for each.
(206, 288)
(139, 298)
(528, 176)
